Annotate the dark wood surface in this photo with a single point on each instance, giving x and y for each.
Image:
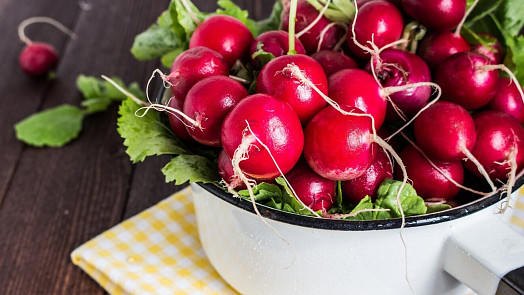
(52, 200)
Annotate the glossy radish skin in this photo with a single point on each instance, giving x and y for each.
(178, 128)
(315, 191)
(463, 80)
(498, 134)
(225, 34)
(274, 79)
(436, 47)
(226, 172)
(274, 122)
(192, 66)
(333, 61)
(444, 130)
(436, 15)
(357, 88)
(306, 14)
(400, 67)
(379, 18)
(208, 102)
(508, 99)
(37, 59)
(427, 181)
(495, 52)
(367, 184)
(338, 146)
(274, 42)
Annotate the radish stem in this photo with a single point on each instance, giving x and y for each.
(291, 30)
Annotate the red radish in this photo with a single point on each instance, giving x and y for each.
(177, 124)
(306, 14)
(367, 184)
(500, 143)
(508, 99)
(277, 80)
(225, 34)
(37, 58)
(333, 61)
(357, 88)
(315, 191)
(192, 66)
(437, 15)
(226, 172)
(429, 182)
(437, 47)
(377, 21)
(494, 52)
(398, 68)
(445, 131)
(275, 124)
(208, 102)
(274, 42)
(338, 146)
(464, 80)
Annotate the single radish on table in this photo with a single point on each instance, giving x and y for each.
(278, 79)
(256, 122)
(315, 191)
(38, 58)
(226, 35)
(208, 102)
(192, 66)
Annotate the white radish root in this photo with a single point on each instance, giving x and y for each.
(42, 19)
(507, 71)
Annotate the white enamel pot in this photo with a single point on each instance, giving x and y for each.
(466, 248)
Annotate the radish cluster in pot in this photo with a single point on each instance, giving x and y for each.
(319, 99)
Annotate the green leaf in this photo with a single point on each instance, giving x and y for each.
(146, 136)
(387, 199)
(53, 127)
(263, 192)
(182, 18)
(168, 58)
(192, 168)
(438, 208)
(155, 42)
(95, 105)
(481, 10)
(263, 57)
(365, 203)
(515, 57)
(273, 22)
(231, 9)
(511, 16)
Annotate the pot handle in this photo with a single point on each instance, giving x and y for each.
(487, 256)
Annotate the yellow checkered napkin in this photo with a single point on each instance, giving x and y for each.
(517, 219)
(155, 252)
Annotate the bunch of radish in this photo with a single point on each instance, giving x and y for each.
(353, 102)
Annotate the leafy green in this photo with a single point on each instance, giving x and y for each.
(288, 198)
(231, 9)
(437, 208)
(263, 192)
(511, 16)
(192, 168)
(365, 204)
(58, 126)
(146, 136)
(273, 22)
(53, 127)
(263, 57)
(387, 193)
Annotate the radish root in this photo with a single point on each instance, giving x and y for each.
(507, 71)
(480, 168)
(324, 31)
(512, 162)
(470, 9)
(42, 19)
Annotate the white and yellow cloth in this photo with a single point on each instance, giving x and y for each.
(158, 252)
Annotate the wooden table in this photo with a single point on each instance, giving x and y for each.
(54, 199)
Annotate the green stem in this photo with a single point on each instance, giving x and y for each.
(291, 30)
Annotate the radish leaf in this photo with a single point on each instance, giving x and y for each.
(192, 168)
